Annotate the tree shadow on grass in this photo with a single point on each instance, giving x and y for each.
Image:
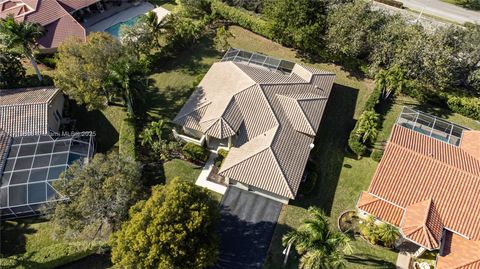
(369, 260)
(106, 136)
(330, 143)
(13, 235)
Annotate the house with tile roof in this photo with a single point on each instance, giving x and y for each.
(57, 17)
(428, 185)
(31, 111)
(266, 111)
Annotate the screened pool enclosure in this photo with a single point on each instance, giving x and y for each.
(32, 166)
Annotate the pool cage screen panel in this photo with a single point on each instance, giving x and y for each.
(33, 165)
(431, 126)
(272, 64)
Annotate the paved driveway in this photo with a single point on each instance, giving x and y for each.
(246, 229)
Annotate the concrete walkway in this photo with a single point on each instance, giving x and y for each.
(202, 178)
(403, 260)
(443, 10)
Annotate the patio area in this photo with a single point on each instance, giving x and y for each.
(115, 15)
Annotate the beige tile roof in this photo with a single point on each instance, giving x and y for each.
(24, 111)
(437, 183)
(276, 117)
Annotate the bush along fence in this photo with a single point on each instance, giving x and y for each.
(126, 144)
(366, 128)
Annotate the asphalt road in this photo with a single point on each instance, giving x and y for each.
(443, 10)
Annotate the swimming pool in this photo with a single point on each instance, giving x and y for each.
(115, 29)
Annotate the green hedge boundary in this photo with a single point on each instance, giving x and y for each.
(242, 18)
(126, 142)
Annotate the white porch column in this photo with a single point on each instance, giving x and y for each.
(207, 140)
(229, 142)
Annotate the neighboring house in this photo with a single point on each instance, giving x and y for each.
(267, 111)
(57, 17)
(31, 111)
(428, 185)
(32, 157)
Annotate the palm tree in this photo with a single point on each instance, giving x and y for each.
(318, 245)
(152, 133)
(388, 234)
(390, 81)
(21, 37)
(367, 126)
(127, 77)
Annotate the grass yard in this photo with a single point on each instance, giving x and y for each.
(182, 169)
(29, 243)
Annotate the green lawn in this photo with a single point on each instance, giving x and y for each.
(182, 169)
(30, 243)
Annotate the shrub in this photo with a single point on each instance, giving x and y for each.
(468, 106)
(392, 3)
(195, 152)
(355, 145)
(373, 99)
(376, 155)
(126, 143)
(222, 154)
(242, 18)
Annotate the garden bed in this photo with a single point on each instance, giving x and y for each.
(348, 222)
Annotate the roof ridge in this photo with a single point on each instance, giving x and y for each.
(463, 265)
(304, 116)
(280, 167)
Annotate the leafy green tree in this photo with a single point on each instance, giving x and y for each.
(83, 69)
(194, 8)
(298, 23)
(12, 71)
(318, 245)
(181, 32)
(388, 234)
(144, 36)
(99, 193)
(367, 126)
(352, 29)
(173, 229)
(128, 77)
(390, 81)
(221, 39)
(252, 5)
(21, 37)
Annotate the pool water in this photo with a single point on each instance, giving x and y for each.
(115, 29)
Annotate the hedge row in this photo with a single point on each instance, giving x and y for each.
(392, 3)
(467, 106)
(242, 18)
(195, 153)
(126, 143)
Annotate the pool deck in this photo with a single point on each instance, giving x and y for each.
(125, 15)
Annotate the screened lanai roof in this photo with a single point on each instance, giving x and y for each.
(431, 126)
(272, 64)
(33, 163)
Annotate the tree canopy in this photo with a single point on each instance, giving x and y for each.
(12, 71)
(173, 229)
(99, 193)
(83, 68)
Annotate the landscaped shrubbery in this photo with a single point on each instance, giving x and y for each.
(195, 153)
(222, 154)
(242, 18)
(376, 155)
(378, 234)
(468, 106)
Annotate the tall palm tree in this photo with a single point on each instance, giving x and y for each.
(127, 77)
(318, 245)
(367, 126)
(21, 37)
(390, 81)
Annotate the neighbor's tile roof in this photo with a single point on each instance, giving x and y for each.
(56, 20)
(5, 140)
(459, 253)
(275, 115)
(24, 111)
(437, 183)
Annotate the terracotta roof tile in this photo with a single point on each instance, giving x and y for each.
(459, 253)
(381, 209)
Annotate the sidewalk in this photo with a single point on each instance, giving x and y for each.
(403, 260)
(202, 178)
